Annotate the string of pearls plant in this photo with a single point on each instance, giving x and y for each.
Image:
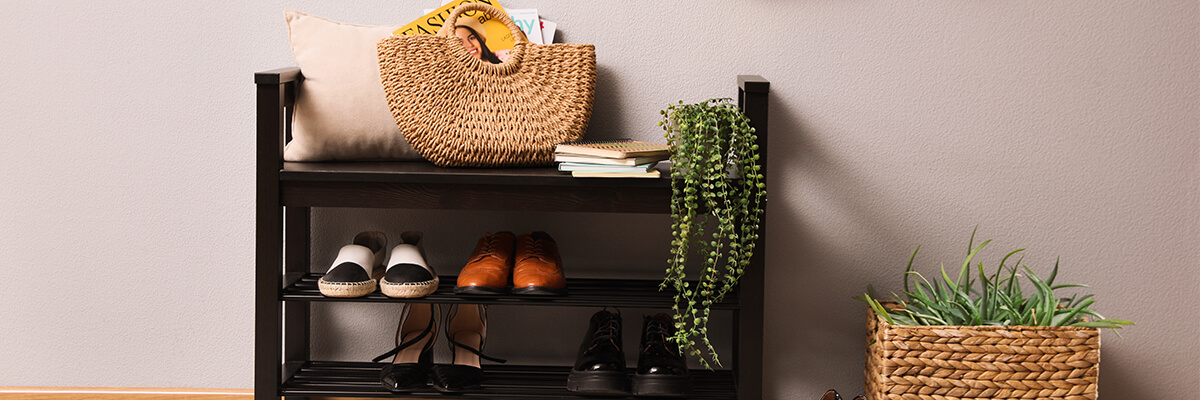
(717, 186)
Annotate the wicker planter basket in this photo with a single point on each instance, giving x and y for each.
(980, 362)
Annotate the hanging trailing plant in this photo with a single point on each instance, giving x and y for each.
(717, 192)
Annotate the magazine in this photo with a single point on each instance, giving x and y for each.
(497, 36)
(527, 19)
(537, 30)
(548, 31)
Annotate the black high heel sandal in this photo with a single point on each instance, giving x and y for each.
(415, 335)
(466, 329)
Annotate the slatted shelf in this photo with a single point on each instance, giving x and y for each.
(361, 379)
(634, 293)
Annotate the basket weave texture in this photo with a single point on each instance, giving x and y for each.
(459, 111)
(980, 362)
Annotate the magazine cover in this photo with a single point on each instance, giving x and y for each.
(548, 28)
(494, 34)
(527, 19)
(536, 29)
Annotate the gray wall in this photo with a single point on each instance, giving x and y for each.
(1066, 127)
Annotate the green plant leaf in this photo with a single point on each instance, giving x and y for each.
(908, 268)
(1053, 273)
(1103, 324)
(971, 241)
(1117, 321)
(1068, 317)
(880, 311)
(965, 271)
(951, 285)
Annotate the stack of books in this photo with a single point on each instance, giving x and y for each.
(611, 159)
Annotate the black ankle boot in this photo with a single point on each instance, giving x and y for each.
(662, 369)
(600, 364)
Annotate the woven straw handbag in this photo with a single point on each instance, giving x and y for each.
(459, 111)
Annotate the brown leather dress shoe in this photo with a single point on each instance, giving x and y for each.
(489, 267)
(538, 269)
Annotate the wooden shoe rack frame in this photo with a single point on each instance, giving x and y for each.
(285, 287)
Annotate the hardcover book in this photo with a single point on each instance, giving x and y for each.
(614, 149)
(595, 174)
(605, 168)
(571, 158)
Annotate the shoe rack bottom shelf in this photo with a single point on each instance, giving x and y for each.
(361, 379)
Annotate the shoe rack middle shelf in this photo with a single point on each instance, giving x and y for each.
(634, 293)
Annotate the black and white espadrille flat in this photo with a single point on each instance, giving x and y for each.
(408, 276)
(358, 265)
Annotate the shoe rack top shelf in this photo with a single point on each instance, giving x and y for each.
(424, 172)
(421, 185)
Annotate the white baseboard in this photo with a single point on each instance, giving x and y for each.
(116, 393)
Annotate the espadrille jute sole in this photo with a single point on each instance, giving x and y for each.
(346, 289)
(408, 290)
(350, 289)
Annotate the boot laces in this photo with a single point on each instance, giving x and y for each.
(606, 334)
(656, 337)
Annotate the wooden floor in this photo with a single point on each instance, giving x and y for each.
(106, 393)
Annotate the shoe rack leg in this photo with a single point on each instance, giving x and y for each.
(752, 98)
(297, 255)
(268, 252)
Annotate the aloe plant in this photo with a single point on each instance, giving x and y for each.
(997, 299)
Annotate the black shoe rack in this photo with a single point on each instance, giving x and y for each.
(286, 193)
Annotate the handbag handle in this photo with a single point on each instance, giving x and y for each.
(447, 28)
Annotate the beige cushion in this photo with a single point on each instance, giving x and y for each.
(341, 111)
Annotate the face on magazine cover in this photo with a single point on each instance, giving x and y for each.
(475, 44)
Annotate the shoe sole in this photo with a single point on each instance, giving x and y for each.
(408, 290)
(346, 289)
(661, 386)
(447, 390)
(350, 289)
(597, 382)
(538, 291)
(480, 290)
